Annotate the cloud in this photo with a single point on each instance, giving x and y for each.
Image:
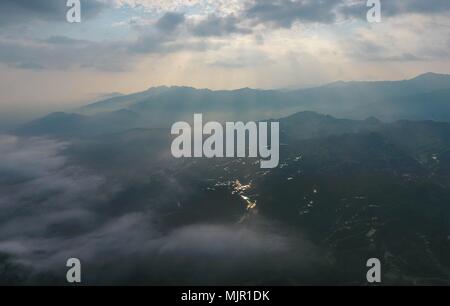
(221, 7)
(39, 183)
(283, 13)
(44, 197)
(14, 12)
(60, 53)
(169, 22)
(174, 32)
(358, 9)
(131, 250)
(214, 25)
(160, 37)
(54, 209)
(405, 39)
(183, 41)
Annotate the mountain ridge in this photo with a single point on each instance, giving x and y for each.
(425, 97)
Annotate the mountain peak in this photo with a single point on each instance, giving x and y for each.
(309, 115)
(431, 76)
(158, 87)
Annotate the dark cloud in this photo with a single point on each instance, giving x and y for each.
(417, 6)
(171, 33)
(174, 32)
(57, 52)
(279, 12)
(151, 42)
(283, 13)
(61, 52)
(215, 25)
(398, 7)
(170, 21)
(155, 39)
(25, 11)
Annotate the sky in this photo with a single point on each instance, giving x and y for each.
(125, 46)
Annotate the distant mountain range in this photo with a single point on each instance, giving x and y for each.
(426, 97)
(357, 189)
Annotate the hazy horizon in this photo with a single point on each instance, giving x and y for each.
(14, 117)
(127, 46)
